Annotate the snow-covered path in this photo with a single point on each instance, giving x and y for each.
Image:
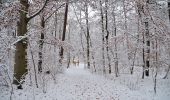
(77, 83)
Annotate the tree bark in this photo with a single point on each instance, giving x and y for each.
(107, 36)
(20, 66)
(64, 33)
(68, 55)
(115, 45)
(169, 51)
(147, 49)
(88, 35)
(103, 40)
(40, 54)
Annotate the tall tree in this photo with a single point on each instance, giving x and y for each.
(103, 40)
(147, 62)
(143, 15)
(64, 32)
(107, 35)
(40, 54)
(169, 52)
(20, 66)
(88, 34)
(115, 43)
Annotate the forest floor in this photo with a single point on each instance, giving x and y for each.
(76, 83)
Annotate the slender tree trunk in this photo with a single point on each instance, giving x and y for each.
(92, 55)
(143, 56)
(64, 33)
(147, 39)
(68, 55)
(107, 36)
(81, 38)
(141, 13)
(126, 33)
(40, 54)
(169, 51)
(148, 48)
(88, 35)
(103, 40)
(20, 66)
(82, 45)
(134, 57)
(155, 80)
(55, 35)
(35, 72)
(115, 46)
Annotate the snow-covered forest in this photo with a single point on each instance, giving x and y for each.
(84, 49)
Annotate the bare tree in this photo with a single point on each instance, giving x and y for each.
(64, 32)
(107, 35)
(103, 40)
(115, 43)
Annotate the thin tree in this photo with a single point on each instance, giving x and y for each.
(64, 32)
(40, 54)
(169, 52)
(107, 35)
(88, 34)
(115, 44)
(103, 40)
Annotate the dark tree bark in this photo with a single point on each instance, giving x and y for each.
(103, 40)
(40, 54)
(115, 44)
(88, 34)
(147, 49)
(143, 56)
(64, 33)
(20, 66)
(147, 35)
(146, 40)
(107, 36)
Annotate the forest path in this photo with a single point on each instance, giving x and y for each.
(78, 83)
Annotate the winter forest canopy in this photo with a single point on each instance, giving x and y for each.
(84, 49)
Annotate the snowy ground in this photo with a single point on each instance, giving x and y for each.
(76, 83)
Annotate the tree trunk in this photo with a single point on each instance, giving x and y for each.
(147, 49)
(102, 27)
(126, 34)
(115, 46)
(107, 36)
(88, 35)
(169, 51)
(68, 54)
(40, 54)
(20, 66)
(143, 56)
(135, 53)
(64, 33)
(155, 77)
(146, 41)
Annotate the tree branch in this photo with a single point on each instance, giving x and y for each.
(54, 11)
(30, 17)
(62, 5)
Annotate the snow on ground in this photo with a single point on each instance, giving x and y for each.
(76, 83)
